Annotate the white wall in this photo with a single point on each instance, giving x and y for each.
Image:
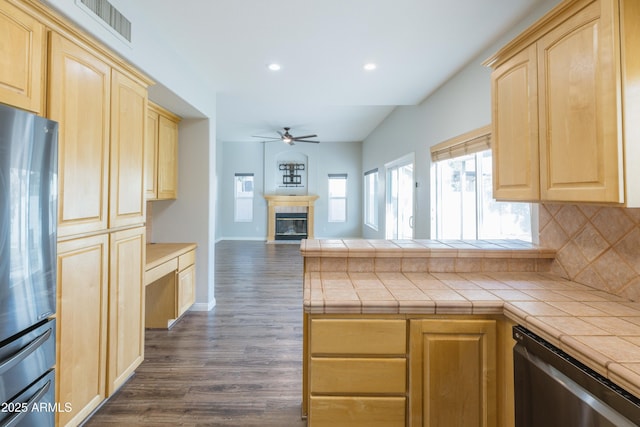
(182, 90)
(462, 104)
(336, 158)
(458, 106)
(261, 160)
(189, 219)
(241, 157)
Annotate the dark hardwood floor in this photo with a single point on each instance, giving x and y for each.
(238, 365)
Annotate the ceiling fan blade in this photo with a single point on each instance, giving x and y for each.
(265, 137)
(304, 140)
(298, 138)
(280, 133)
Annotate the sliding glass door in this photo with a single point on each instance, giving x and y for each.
(400, 195)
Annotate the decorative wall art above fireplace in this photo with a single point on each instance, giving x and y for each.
(291, 173)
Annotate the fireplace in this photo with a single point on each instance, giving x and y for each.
(291, 226)
(289, 217)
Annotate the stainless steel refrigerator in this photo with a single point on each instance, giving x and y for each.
(28, 220)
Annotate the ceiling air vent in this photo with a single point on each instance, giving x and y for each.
(110, 16)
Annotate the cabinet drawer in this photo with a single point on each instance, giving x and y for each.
(358, 375)
(186, 260)
(333, 411)
(155, 273)
(358, 336)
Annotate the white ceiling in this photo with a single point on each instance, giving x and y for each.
(322, 46)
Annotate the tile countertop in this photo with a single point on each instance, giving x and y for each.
(422, 248)
(600, 329)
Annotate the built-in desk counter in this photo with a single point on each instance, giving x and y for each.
(170, 281)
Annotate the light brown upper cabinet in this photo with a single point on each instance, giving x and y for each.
(515, 128)
(79, 100)
(22, 52)
(161, 175)
(128, 114)
(566, 99)
(151, 154)
(102, 115)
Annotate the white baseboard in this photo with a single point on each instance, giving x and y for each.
(259, 239)
(203, 306)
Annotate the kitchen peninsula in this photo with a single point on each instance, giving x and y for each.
(399, 331)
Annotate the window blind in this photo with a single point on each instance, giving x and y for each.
(469, 143)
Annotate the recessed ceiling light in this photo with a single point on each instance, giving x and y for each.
(370, 66)
(274, 67)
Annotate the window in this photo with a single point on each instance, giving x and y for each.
(371, 198)
(462, 200)
(243, 195)
(337, 197)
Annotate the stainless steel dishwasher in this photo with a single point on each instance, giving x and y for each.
(552, 389)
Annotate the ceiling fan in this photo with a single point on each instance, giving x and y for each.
(289, 139)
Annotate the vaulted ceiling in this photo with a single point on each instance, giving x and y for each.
(322, 46)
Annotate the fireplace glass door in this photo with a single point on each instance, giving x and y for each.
(291, 226)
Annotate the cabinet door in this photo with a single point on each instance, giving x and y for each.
(452, 373)
(186, 289)
(515, 128)
(151, 156)
(22, 48)
(82, 326)
(167, 158)
(126, 305)
(581, 148)
(128, 128)
(79, 92)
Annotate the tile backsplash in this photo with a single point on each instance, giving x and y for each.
(596, 246)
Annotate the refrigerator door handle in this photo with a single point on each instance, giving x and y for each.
(12, 361)
(17, 417)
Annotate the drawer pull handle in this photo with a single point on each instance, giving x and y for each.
(25, 351)
(17, 417)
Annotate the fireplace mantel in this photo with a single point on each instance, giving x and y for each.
(275, 201)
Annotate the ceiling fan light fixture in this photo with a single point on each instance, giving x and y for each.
(274, 66)
(370, 66)
(289, 139)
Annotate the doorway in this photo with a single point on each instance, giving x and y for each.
(400, 198)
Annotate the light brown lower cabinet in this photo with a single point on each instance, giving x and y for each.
(186, 282)
(452, 373)
(186, 289)
(126, 305)
(357, 411)
(100, 312)
(357, 372)
(83, 285)
(407, 371)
